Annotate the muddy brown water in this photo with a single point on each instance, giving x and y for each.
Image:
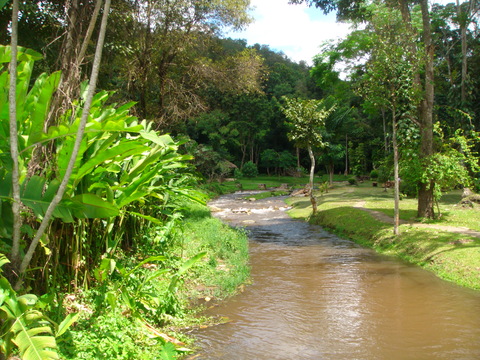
(317, 296)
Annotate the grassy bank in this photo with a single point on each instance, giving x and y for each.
(233, 185)
(453, 256)
(150, 296)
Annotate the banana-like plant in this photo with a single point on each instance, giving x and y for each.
(124, 169)
(23, 327)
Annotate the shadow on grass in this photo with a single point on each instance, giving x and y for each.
(300, 203)
(350, 222)
(425, 245)
(407, 214)
(451, 198)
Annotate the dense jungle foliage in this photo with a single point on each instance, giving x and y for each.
(119, 143)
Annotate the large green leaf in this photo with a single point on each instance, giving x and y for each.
(64, 154)
(91, 206)
(162, 140)
(37, 104)
(36, 343)
(149, 218)
(118, 153)
(3, 261)
(151, 159)
(23, 53)
(37, 196)
(190, 262)
(5, 184)
(27, 328)
(66, 323)
(6, 219)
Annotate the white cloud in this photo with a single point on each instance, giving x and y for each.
(296, 30)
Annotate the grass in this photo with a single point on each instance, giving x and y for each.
(452, 256)
(225, 267)
(109, 328)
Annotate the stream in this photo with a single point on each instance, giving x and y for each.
(317, 296)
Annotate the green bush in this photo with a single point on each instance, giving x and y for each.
(237, 174)
(250, 170)
(352, 181)
(374, 174)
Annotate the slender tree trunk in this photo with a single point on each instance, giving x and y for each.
(79, 137)
(346, 155)
(72, 55)
(463, 90)
(17, 219)
(331, 170)
(312, 173)
(385, 134)
(252, 151)
(243, 147)
(298, 158)
(88, 35)
(463, 22)
(396, 215)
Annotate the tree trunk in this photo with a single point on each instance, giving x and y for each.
(425, 191)
(72, 55)
(243, 148)
(312, 173)
(463, 23)
(346, 155)
(331, 171)
(425, 108)
(396, 213)
(17, 218)
(385, 134)
(298, 158)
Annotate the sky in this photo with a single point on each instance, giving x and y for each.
(296, 30)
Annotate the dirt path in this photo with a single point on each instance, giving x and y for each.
(387, 219)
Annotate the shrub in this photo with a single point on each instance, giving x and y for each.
(374, 174)
(352, 181)
(237, 174)
(250, 170)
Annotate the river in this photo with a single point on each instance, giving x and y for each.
(317, 296)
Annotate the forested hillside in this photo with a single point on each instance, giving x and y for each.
(118, 127)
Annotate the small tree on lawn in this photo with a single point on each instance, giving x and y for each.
(306, 122)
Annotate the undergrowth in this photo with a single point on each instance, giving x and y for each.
(143, 299)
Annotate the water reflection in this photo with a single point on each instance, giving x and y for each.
(315, 296)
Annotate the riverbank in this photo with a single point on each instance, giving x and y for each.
(447, 246)
(187, 265)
